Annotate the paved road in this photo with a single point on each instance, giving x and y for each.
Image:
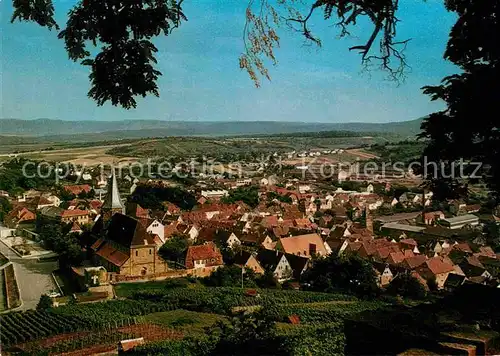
(34, 278)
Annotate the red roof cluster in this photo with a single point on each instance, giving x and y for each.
(77, 189)
(73, 213)
(207, 253)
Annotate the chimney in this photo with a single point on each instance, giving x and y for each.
(369, 220)
(312, 249)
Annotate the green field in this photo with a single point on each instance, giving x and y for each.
(188, 322)
(242, 147)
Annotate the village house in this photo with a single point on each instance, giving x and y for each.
(436, 268)
(75, 228)
(268, 243)
(232, 241)
(155, 228)
(51, 213)
(248, 260)
(298, 264)
(19, 215)
(75, 215)
(303, 245)
(383, 272)
(42, 201)
(203, 259)
(432, 217)
(171, 209)
(27, 195)
(413, 262)
(275, 262)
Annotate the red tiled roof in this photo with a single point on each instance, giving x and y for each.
(140, 212)
(173, 209)
(353, 246)
(409, 242)
(486, 251)
(437, 266)
(111, 254)
(396, 257)
(77, 189)
(302, 222)
(95, 204)
(463, 246)
(415, 261)
(169, 230)
(74, 212)
(367, 249)
(41, 201)
(300, 245)
(473, 207)
(386, 251)
(270, 221)
(431, 215)
(207, 252)
(75, 227)
(280, 231)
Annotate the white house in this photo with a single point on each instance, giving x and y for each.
(283, 270)
(193, 232)
(304, 188)
(54, 200)
(214, 193)
(233, 240)
(157, 228)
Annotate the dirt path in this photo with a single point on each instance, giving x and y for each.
(66, 150)
(362, 154)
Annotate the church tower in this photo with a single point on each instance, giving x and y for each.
(112, 202)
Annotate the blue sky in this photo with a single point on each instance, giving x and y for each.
(202, 79)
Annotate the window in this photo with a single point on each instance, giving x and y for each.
(149, 251)
(137, 253)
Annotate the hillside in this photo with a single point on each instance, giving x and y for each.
(47, 130)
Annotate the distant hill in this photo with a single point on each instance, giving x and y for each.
(60, 130)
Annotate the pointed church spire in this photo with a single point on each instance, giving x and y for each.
(112, 201)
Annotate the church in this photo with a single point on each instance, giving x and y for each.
(123, 246)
